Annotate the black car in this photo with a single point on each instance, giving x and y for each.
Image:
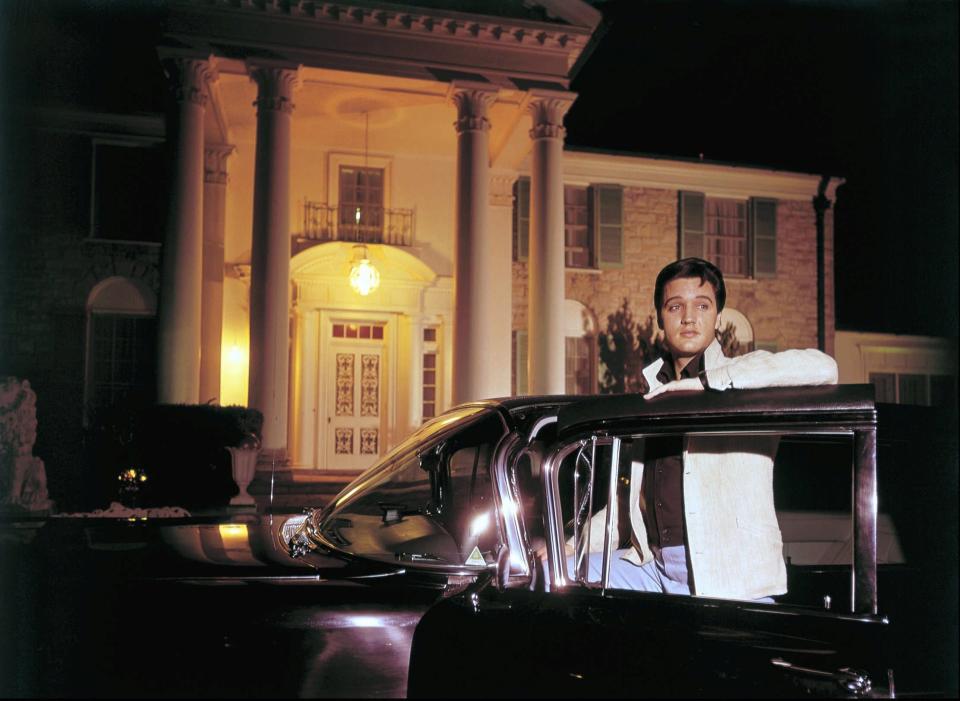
(423, 577)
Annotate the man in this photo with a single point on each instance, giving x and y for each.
(702, 518)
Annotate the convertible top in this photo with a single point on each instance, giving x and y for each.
(781, 406)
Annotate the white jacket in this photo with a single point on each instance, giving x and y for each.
(735, 548)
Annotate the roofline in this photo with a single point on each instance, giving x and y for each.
(714, 178)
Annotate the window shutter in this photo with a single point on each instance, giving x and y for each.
(607, 221)
(763, 224)
(520, 362)
(692, 224)
(521, 218)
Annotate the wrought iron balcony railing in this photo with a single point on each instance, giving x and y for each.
(323, 222)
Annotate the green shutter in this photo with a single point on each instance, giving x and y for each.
(521, 218)
(692, 224)
(763, 226)
(520, 362)
(607, 220)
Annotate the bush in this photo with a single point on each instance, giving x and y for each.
(180, 447)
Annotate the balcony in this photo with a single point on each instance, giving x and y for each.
(323, 223)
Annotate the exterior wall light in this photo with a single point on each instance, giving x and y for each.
(364, 277)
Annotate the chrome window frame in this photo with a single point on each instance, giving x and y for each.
(863, 590)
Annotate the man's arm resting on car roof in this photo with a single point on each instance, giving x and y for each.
(762, 369)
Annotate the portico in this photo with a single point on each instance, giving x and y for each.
(363, 144)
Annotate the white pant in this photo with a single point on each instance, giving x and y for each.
(667, 573)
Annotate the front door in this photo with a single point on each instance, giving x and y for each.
(354, 374)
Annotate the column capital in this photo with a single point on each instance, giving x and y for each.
(472, 102)
(548, 108)
(190, 77)
(276, 85)
(215, 163)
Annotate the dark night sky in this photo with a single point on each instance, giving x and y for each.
(861, 89)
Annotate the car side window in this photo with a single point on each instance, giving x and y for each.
(431, 505)
(784, 497)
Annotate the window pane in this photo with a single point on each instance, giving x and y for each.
(726, 235)
(886, 387)
(577, 239)
(433, 509)
(361, 204)
(942, 390)
(913, 389)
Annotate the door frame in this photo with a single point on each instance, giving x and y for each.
(388, 376)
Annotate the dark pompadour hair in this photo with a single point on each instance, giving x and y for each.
(690, 267)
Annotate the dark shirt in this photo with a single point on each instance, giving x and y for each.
(661, 492)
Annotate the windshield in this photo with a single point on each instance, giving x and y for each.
(430, 502)
(422, 435)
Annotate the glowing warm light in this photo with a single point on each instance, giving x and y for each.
(356, 216)
(480, 524)
(364, 278)
(235, 355)
(233, 372)
(233, 534)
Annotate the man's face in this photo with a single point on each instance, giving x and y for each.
(689, 316)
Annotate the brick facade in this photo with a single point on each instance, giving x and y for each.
(50, 267)
(782, 310)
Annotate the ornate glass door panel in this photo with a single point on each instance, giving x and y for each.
(355, 381)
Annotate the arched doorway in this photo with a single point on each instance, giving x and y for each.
(365, 370)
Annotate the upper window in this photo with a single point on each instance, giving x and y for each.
(360, 215)
(726, 235)
(129, 192)
(738, 236)
(578, 243)
(593, 224)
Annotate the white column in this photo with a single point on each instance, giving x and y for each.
(545, 335)
(178, 376)
(476, 276)
(270, 257)
(305, 386)
(211, 312)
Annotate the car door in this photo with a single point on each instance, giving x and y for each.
(571, 634)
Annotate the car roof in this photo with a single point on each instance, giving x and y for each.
(806, 406)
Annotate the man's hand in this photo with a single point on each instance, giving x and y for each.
(687, 384)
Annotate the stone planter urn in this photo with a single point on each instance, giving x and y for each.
(243, 465)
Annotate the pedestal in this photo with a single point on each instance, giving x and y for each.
(243, 464)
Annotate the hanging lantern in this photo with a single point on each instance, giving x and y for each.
(364, 277)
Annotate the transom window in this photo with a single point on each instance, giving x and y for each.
(373, 332)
